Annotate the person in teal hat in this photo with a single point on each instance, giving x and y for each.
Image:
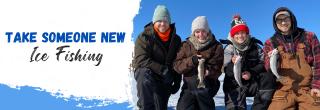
(154, 52)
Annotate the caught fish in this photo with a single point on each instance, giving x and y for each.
(201, 72)
(237, 70)
(274, 63)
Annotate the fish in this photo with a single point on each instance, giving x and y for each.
(274, 63)
(237, 70)
(201, 72)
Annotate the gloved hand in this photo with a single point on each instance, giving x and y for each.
(166, 75)
(164, 70)
(175, 88)
(195, 59)
(176, 83)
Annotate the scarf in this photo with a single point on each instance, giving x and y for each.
(243, 46)
(197, 44)
(163, 36)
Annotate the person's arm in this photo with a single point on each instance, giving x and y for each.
(183, 63)
(227, 62)
(228, 54)
(142, 56)
(259, 68)
(266, 49)
(177, 78)
(214, 64)
(315, 46)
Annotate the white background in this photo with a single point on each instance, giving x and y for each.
(109, 81)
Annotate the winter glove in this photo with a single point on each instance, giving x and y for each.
(217, 85)
(175, 88)
(176, 83)
(214, 85)
(195, 60)
(164, 70)
(228, 70)
(166, 75)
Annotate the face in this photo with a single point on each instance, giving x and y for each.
(284, 24)
(162, 25)
(240, 37)
(201, 35)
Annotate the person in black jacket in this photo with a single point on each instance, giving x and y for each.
(154, 52)
(256, 81)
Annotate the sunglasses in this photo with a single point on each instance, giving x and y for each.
(286, 20)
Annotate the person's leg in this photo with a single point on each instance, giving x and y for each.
(161, 101)
(161, 96)
(186, 100)
(204, 98)
(307, 102)
(145, 88)
(266, 87)
(235, 99)
(213, 85)
(262, 100)
(283, 101)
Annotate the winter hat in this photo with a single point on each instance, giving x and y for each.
(161, 13)
(200, 22)
(282, 13)
(237, 24)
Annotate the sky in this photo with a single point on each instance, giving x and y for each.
(257, 14)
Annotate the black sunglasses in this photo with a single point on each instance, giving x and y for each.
(286, 20)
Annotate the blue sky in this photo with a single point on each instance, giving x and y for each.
(257, 14)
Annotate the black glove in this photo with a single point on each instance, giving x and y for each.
(216, 87)
(164, 71)
(166, 75)
(176, 83)
(174, 88)
(195, 60)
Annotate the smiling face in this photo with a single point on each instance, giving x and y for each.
(162, 25)
(240, 37)
(284, 24)
(201, 35)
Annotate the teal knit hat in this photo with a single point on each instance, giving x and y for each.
(161, 13)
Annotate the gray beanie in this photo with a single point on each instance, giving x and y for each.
(200, 22)
(161, 13)
(282, 13)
